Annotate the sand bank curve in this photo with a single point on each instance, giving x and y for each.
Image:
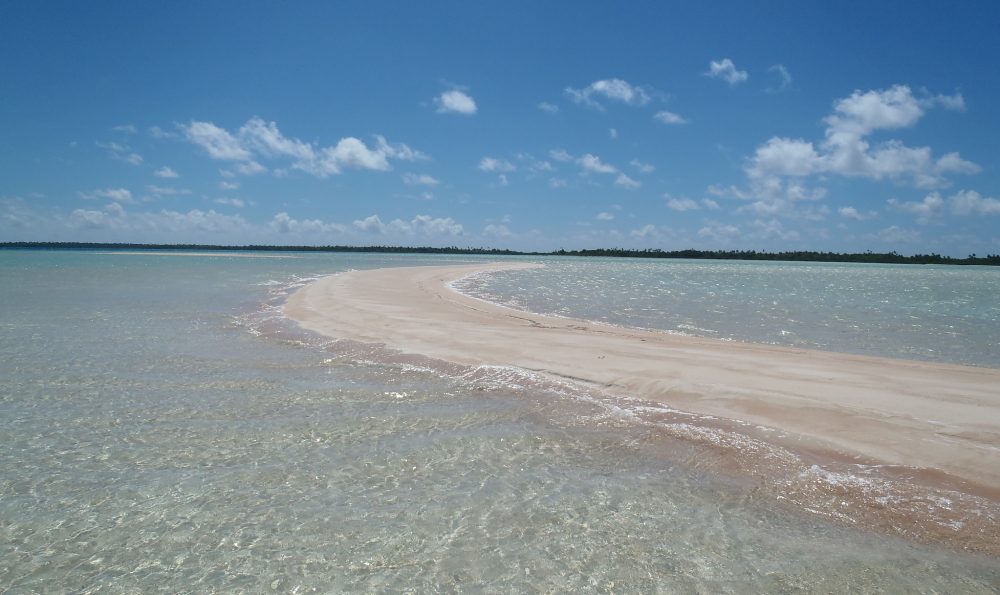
(932, 416)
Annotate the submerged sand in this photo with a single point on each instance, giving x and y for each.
(941, 418)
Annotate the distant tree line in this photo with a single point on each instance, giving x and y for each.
(798, 256)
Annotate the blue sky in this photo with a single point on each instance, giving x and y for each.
(841, 126)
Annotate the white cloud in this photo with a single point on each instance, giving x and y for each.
(165, 190)
(224, 185)
(897, 235)
(784, 78)
(963, 202)
(725, 69)
(283, 223)
(558, 183)
(534, 165)
(611, 89)
(370, 224)
(496, 230)
(490, 164)
(419, 180)
(669, 118)
(612, 133)
(644, 168)
(681, 204)
(645, 232)
(545, 106)
(605, 216)
(502, 180)
(626, 182)
(159, 133)
(847, 151)
(853, 213)
(249, 168)
(165, 172)
(115, 194)
(426, 225)
(233, 202)
(261, 139)
(772, 229)
(174, 224)
(560, 155)
(216, 141)
(593, 163)
(970, 202)
(709, 203)
(456, 102)
(720, 233)
(925, 210)
(125, 129)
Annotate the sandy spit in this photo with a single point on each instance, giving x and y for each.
(936, 417)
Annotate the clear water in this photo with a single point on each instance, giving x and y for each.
(162, 428)
(937, 313)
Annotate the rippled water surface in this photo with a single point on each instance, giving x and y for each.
(163, 429)
(939, 313)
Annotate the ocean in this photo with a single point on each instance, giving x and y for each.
(165, 428)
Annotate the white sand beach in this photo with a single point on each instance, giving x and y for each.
(936, 417)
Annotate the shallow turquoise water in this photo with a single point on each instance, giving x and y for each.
(164, 429)
(936, 313)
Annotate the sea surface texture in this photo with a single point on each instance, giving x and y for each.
(923, 312)
(163, 428)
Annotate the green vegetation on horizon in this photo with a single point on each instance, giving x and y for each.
(799, 256)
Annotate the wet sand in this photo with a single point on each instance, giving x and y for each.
(938, 419)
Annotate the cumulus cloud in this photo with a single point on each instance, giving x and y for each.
(423, 225)
(847, 150)
(970, 202)
(216, 141)
(898, 235)
(165, 172)
(258, 139)
(194, 223)
(593, 164)
(545, 106)
(283, 223)
(645, 232)
(496, 230)
(925, 210)
(225, 185)
(560, 155)
(115, 194)
(165, 190)
(669, 118)
(232, 202)
(719, 232)
(853, 213)
(681, 204)
(491, 164)
(455, 101)
(626, 182)
(605, 216)
(963, 203)
(419, 180)
(725, 69)
(610, 89)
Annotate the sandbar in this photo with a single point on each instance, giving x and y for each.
(928, 416)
